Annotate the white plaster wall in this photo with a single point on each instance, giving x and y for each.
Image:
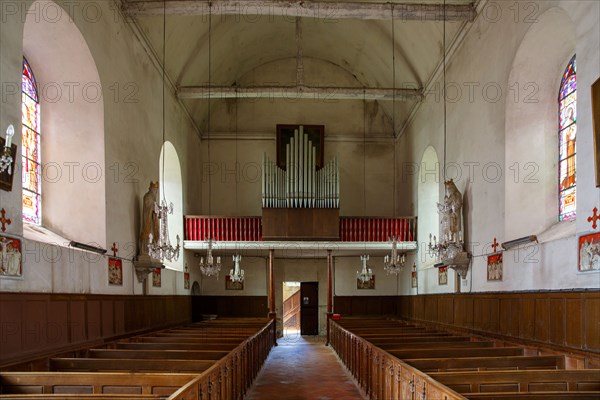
(345, 269)
(72, 125)
(255, 281)
(478, 146)
(132, 142)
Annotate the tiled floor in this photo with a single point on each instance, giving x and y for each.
(303, 368)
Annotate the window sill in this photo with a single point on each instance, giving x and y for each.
(557, 231)
(43, 235)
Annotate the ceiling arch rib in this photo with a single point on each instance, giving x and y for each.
(407, 11)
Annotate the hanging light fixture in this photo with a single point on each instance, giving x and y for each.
(237, 273)
(366, 274)
(162, 248)
(449, 250)
(6, 159)
(210, 267)
(394, 264)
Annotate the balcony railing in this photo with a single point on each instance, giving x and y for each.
(249, 229)
(223, 229)
(378, 229)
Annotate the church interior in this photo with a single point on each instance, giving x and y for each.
(405, 193)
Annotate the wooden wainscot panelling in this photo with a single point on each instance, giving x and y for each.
(591, 316)
(566, 321)
(365, 305)
(229, 306)
(35, 325)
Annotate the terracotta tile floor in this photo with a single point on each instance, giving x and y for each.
(303, 368)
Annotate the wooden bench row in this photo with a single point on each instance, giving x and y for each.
(458, 366)
(139, 367)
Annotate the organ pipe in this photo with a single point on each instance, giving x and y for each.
(300, 185)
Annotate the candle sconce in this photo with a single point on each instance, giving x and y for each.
(8, 156)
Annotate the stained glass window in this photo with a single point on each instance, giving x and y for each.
(567, 127)
(32, 169)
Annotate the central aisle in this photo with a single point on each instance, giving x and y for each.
(303, 368)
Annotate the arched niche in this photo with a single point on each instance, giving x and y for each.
(428, 195)
(531, 179)
(172, 189)
(72, 110)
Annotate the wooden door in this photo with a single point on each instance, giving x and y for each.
(309, 308)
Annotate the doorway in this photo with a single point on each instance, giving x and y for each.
(309, 308)
(291, 309)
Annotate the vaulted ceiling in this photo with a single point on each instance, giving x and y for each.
(359, 45)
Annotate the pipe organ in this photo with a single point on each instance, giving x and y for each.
(300, 185)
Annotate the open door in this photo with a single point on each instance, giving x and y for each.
(309, 308)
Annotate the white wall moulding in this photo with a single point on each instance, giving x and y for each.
(299, 92)
(300, 248)
(309, 9)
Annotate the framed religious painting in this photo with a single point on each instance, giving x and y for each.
(156, 277)
(370, 284)
(413, 281)
(494, 267)
(11, 260)
(186, 278)
(285, 135)
(6, 176)
(115, 271)
(596, 127)
(443, 276)
(231, 285)
(589, 252)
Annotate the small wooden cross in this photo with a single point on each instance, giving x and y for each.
(495, 245)
(593, 219)
(114, 249)
(4, 221)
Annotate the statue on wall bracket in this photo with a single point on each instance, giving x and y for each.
(450, 249)
(144, 264)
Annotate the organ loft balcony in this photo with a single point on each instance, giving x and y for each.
(299, 233)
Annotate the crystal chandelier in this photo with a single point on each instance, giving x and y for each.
(394, 264)
(366, 274)
(447, 249)
(236, 274)
(162, 248)
(210, 268)
(6, 160)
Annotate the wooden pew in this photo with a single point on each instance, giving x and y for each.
(458, 352)
(487, 363)
(157, 354)
(175, 346)
(38, 383)
(535, 396)
(133, 365)
(520, 381)
(399, 346)
(79, 397)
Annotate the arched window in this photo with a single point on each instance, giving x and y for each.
(32, 168)
(567, 110)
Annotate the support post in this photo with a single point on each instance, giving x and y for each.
(272, 313)
(329, 292)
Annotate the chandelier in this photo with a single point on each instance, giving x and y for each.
(366, 274)
(236, 274)
(210, 268)
(446, 249)
(162, 248)
(449, 251)
(6, 160)
(394, 264)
